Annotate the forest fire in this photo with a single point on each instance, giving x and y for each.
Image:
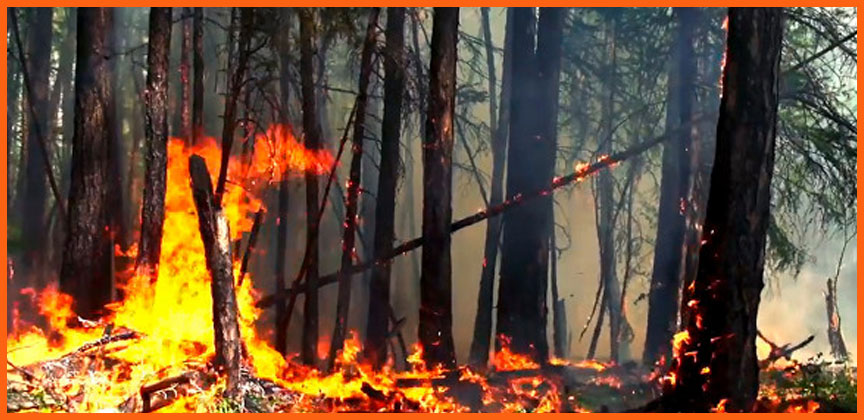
(108, 364)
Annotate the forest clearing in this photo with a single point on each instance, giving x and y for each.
(301, 209)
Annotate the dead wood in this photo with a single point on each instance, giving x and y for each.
(217, 251)
(250, 248)
(781, 352)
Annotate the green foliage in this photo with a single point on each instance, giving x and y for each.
(832, 385)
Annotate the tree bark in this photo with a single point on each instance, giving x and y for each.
(436, 316)
(185, 80)
(198, 76)
(499, 118)
(377, 325)
(522, 309)
(724, 300)
(835, 333)
(34, 199)
(312, 141)
(86, 271)
(663, 296)
(13, 101)
(217, 251)
(343, 300)
(156, 131)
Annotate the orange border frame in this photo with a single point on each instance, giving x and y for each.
(343, 3)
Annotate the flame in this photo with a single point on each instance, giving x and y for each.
(725, 27)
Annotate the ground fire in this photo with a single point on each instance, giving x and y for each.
(674, 184)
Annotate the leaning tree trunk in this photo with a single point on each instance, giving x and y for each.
(198, 74)
(33, 200)
(156, 131)
(86, 270)
(312, 141)
(349, 236)
(675, 185)
(436, 312)
(377, 323)
(217, 251)
(835, 333)
(499, 118)
(720, 332)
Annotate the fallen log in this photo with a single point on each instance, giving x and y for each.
(580, 173)
(147, 392)
(217, 251)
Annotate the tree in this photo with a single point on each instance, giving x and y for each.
(353, 193)
(185, 80)
(717, 356)
(156, 131)
(675, 184)
(34, 197)
(86, 271)
(198, 74)
(385, 208)
(436, 317)
(499, 118)
(522, 306)
(312, 140)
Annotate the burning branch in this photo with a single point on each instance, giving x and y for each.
(217, 251)
(250, 248)
(580, 173)
(780, 352)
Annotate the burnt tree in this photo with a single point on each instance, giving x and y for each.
(198, 74)
(156, 150)
(522, 309)
(499, 117)
(663, 295)
(283, 43)
(185, 80)
(723, 301)
(436, 312)
(86, 270)
(377, 324)
(34, 196)
(312, 141)
(349, 225)
(216, 239)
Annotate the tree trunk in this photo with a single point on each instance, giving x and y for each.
(33, 200)
(377, 326)
(605, 193)
(499, 118)
(724, 300)
(117, 155)
(835, 333)
(198, 76)
(156, 131)
(185, 81)
(217, 251)
(284, 47)
(13, 96)
(312, 141)
(522, 309)
(350, 224)
(436, 312)
(663, 296)
(86, 271)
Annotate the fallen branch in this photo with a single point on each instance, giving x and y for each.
(250, 248)
(781, 352)
(148, 390)
(108, 339)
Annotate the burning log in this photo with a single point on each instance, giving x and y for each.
(148, 391)
(217, 251)
(835, 334)
(250, 248)
(780, 352)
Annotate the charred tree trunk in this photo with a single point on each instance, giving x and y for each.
(185, 80)
(86, 271)
(720, 332)
(436, 312)
(377, 326)
(522, 309)
(34, 198)
(835, 333)
(117, 151)
(284, 47)
(352, 197)
(663, 297)
(156, 131)
(312, 141)
(499, 118)
(198, 76)
(217, 251)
